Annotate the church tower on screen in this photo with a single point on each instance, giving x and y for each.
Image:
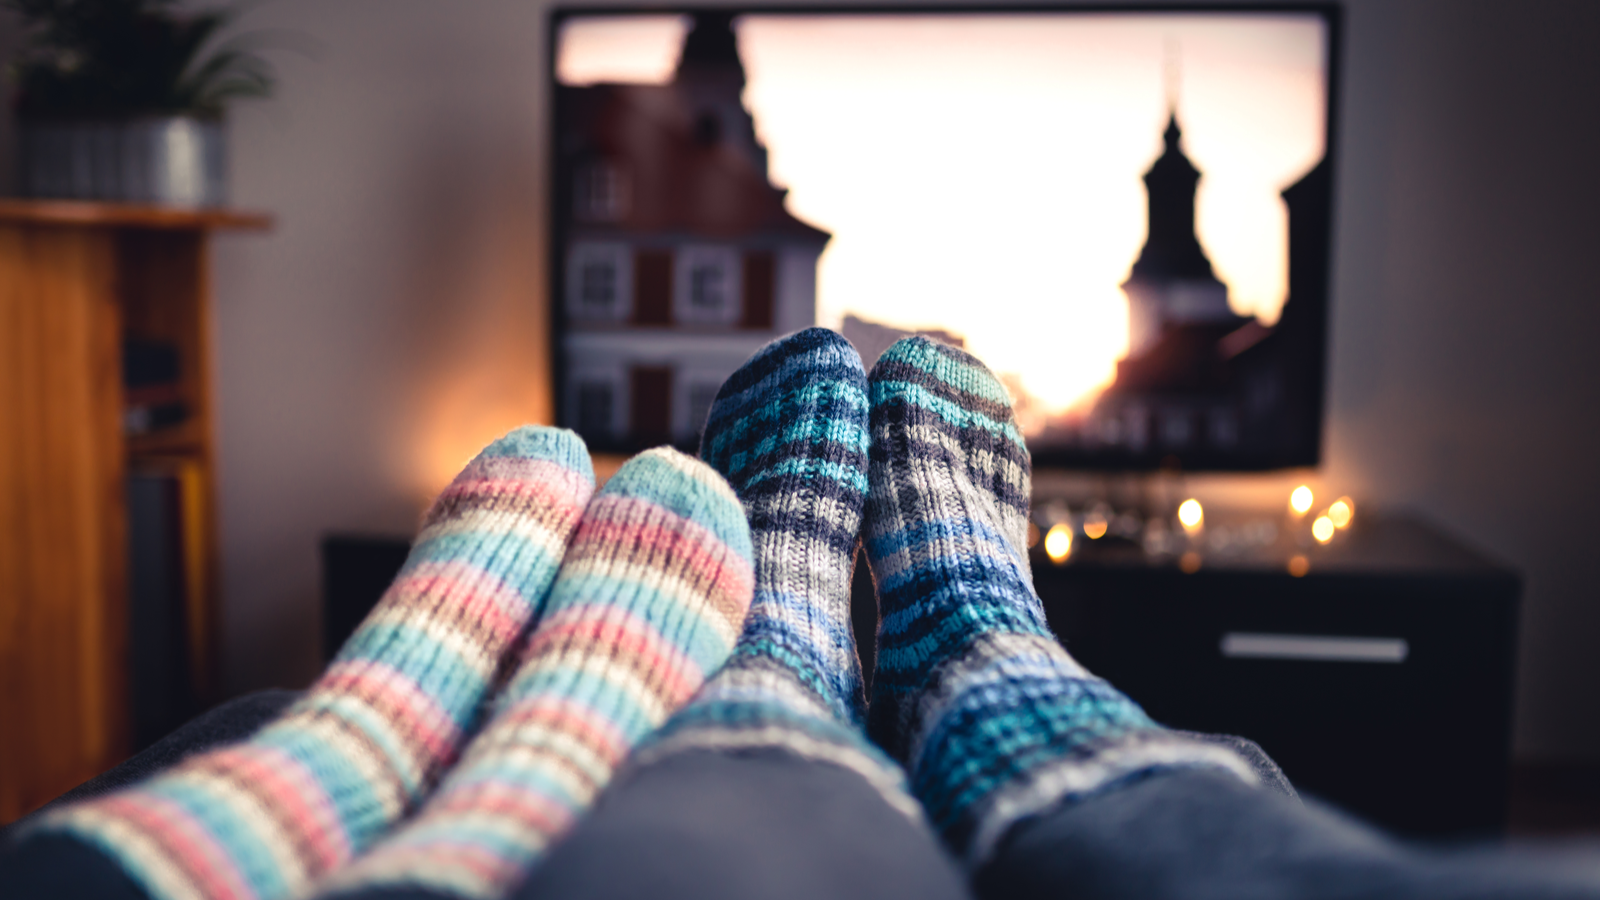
(1172, 282)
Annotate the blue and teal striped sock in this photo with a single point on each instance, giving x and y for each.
(788, 431)
(993, 719)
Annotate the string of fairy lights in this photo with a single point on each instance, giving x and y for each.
(1185, 536)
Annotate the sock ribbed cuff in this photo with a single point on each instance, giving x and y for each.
(264, 818)
(649, 600)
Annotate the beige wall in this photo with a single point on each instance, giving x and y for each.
(1464, 381)
(392, 323)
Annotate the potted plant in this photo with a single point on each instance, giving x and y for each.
(122, 100)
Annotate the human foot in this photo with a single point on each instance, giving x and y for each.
(990, 715)
(267, 817)
(649, 600)
(788, 430)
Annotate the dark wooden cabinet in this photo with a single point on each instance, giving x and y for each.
(1381, 680)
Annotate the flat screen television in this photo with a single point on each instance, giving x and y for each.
(1125, 212)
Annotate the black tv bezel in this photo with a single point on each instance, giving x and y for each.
(1309, 451)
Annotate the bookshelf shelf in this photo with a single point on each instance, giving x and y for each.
(78, 281)
(185, 437)
(125, 215)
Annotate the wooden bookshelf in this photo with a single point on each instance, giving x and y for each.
(75, 278)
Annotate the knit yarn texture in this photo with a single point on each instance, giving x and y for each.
(973, 693)
(649, 600)
(267, 817)
(789, 431)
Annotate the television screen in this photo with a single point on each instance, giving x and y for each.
(1124, 214)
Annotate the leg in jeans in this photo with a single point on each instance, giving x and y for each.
(234, 720)
(751, 825)
(1202, 834)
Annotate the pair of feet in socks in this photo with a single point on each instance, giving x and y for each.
(979, 717)
(588, 617)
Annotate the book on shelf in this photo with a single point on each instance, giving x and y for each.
(166, 543)
(152, 385)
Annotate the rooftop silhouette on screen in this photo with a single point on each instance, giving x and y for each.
(723, 178)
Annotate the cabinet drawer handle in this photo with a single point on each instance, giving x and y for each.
(1315, 647)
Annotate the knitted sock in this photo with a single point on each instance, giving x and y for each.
(994, 720)
(788, 429)
(650, 598)
(264, 818)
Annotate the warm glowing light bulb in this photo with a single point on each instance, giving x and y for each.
(1094, 527)
(1190, 515)
(1058, 543)
(1341, 512)
(1300, 500)
(1322, 529)
(1299, 565)
(1033, 535)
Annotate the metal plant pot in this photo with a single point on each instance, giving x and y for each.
(170, 160)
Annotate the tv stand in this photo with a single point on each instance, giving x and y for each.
(1381, 679)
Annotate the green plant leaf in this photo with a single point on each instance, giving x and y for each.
(115, 58)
